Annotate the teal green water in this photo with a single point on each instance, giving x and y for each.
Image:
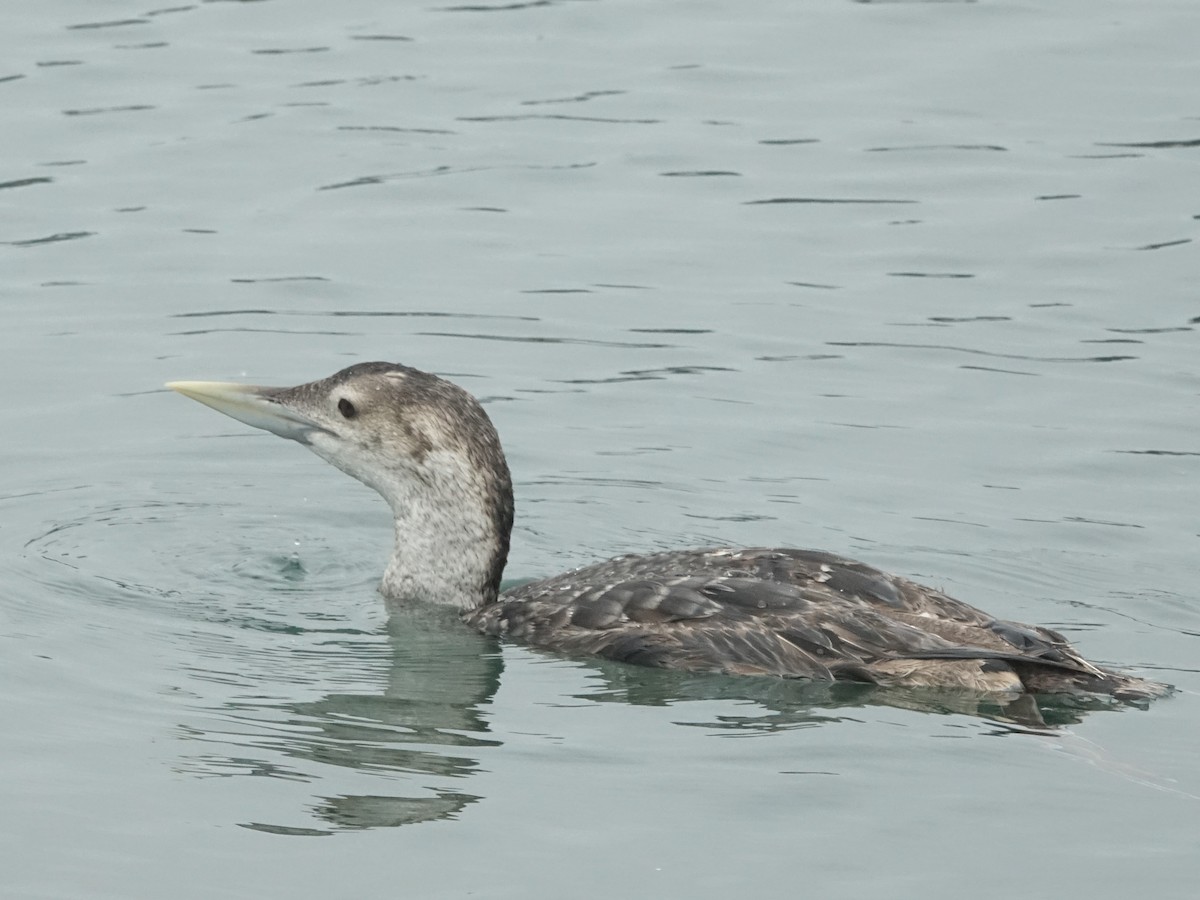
(911, 282)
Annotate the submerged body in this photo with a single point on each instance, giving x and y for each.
(430, 450)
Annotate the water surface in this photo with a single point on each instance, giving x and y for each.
(912, 282)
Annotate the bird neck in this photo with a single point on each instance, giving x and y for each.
(451, 540)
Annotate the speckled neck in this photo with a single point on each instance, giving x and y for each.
(451, 537)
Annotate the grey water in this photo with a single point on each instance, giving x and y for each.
(914, 282)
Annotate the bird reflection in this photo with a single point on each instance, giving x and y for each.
(427, 731)
(780, 704)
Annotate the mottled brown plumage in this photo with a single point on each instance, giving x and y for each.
(791, 613)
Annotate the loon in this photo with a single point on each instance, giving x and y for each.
(427, 446)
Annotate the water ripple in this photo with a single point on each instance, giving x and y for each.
(648, 374)
(522, 117)
(1164, 244)
(578, 98)
(824, 200)
(99, 110)
(972, 350)
(115, 23)
(498, 7)
(52, 238)
(992, 147)
(187, 567)
(545, 340)
(25, 182)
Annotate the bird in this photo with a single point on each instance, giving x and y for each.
(430, 450)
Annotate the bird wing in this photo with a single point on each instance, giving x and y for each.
(761, 611)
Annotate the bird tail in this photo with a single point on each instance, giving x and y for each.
(1126, 688)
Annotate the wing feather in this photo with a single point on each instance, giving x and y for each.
(782, 612)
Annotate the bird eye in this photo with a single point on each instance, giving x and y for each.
(346, 408)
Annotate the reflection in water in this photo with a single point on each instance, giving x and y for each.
(426, 722)
(777, 704)
(426, 729)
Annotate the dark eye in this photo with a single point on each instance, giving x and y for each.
(346, 408)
